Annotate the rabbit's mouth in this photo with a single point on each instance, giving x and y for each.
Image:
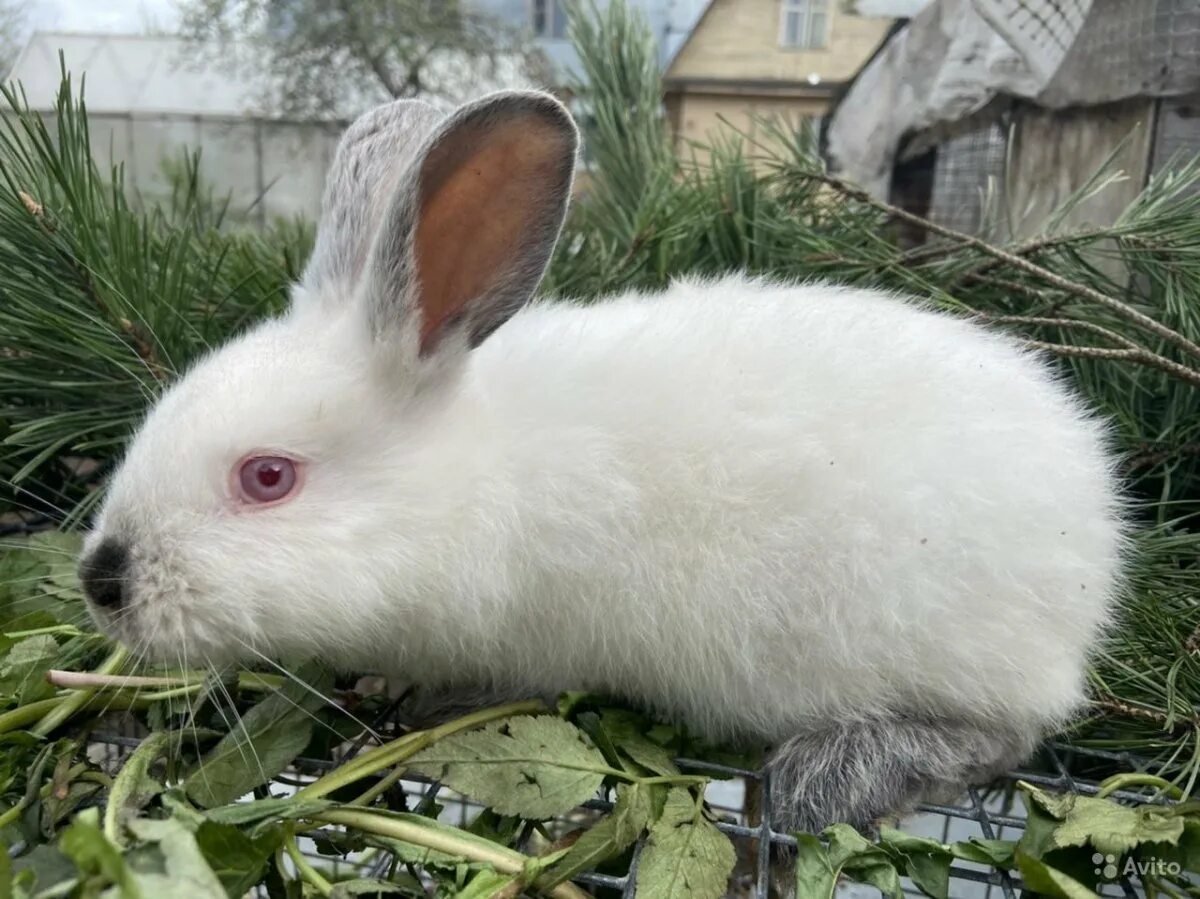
(147, 600)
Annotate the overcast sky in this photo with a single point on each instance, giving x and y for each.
(102, 15)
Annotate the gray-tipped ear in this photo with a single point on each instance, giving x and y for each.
(470, 229)
(371, 159)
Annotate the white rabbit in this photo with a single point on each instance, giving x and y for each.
(874, 537)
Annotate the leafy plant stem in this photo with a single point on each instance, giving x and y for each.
(506, 861)
(76, 680)
(72, 704)
(1125, 781)
(303, 867)
(380, 788)
(126, 781)
(10, 815)
(391, 754)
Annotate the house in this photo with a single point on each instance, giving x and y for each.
(988, 115)
(748, 59)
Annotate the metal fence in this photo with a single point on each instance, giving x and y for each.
(268, 167)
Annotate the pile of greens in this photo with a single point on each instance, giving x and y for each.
(105, 297)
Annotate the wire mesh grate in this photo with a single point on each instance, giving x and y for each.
(969, 167)
(741, 800)
(1143, 48)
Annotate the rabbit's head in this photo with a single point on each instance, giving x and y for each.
(244, 513)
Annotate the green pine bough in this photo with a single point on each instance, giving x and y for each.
(105, 296)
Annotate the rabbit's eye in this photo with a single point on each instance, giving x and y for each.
(266, 479)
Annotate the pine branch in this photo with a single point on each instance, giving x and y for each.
(1012, 260)
(139, 341)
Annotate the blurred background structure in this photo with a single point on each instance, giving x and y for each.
(263, 87)
(983, 114)
(990, 114)
(146, 109)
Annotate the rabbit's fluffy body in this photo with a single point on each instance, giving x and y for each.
(748, 504)
(763, 510)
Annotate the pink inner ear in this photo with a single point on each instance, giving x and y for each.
(483, 195)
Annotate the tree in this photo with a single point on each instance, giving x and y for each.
(322, 57)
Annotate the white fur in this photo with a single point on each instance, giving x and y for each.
(745, 505)
(741, 503)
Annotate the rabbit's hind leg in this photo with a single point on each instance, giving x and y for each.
(860, 770)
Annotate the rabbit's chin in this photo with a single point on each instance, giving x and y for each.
(182, 634)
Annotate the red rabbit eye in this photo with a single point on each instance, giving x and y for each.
(266, 479)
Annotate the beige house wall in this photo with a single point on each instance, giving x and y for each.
(699, 117)
(733, 71)
(739, 39)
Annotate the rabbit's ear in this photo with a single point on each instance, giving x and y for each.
(468, 233)
(371, 160)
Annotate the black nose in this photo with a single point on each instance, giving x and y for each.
(103, 573)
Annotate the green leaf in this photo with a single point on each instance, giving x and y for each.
(23, 674)
(997, 853)
(930, 872)
(567, 702)
(1185, 853)
(608, 838)
(627, 731)
(242, 813)
(47, 866)
(1040, 878)
(816, 877)
(686, 856)
(61, 804)
(859, 859)
(278, 728)
(1115, 829)
(907, 842)
(84, 842)
(852, 855)
(846, 843)
(186, 871)
(404, 885)
(1038, 838)
(1090, 821)
(238, 860)
(925, 861)
(6, 873)
(880, 874)
(133, 786)
(535, 767)
(486, 884)
(61, 551)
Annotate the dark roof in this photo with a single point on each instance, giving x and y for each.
(752, 85)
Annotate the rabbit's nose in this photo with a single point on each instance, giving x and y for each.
(102, 573)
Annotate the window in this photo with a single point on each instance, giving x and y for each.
(548, 18)
(804, 23)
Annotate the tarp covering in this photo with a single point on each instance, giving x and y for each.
(956, 56)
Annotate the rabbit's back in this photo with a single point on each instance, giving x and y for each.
(792, 500)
